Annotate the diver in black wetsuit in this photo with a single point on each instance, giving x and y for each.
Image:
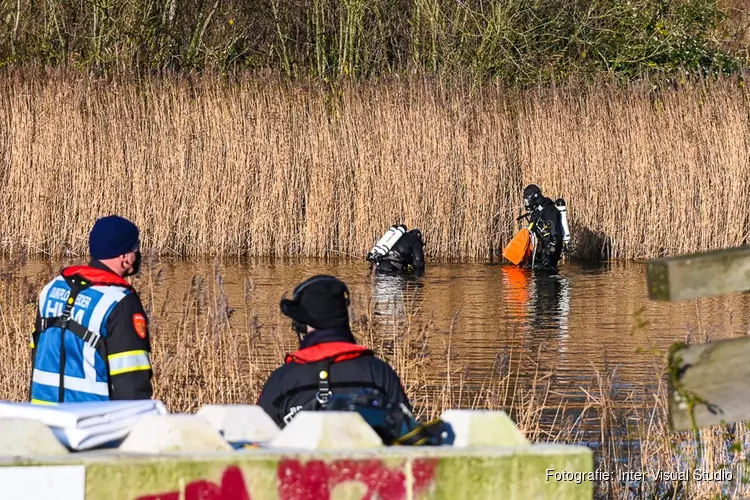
(546, 223)
(406, 256)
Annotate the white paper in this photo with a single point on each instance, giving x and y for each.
(91, 437)
(81, 426)
(78, 414)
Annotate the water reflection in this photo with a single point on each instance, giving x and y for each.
(550, 306)
(541, 301)
(392, 296)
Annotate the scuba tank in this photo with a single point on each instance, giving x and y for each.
(560, 204)
(386, 242)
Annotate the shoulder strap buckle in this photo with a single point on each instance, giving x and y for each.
(76, 285)
(323, 396)
(90, 338)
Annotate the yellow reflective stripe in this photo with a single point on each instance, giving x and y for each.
(126, 353)
(120, 371)
(41, 402)
(129, 361)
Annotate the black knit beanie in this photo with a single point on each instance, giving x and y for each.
(320, 302)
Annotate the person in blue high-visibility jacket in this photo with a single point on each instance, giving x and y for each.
(91, 340)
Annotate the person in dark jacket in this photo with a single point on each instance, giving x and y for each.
(547, 227)
(406, 256)
(91, 341)
(329, 360)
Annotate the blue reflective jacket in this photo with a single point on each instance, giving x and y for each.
(72, 366)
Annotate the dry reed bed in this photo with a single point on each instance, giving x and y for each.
(260, 167)
(199, 358)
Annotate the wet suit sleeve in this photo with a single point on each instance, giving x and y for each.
(129, 350)
(418, 254)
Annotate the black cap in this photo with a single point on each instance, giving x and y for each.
(320, 302)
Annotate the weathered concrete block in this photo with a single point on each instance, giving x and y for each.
(173, 434)
(238, 476)
(556, 472)
(27, 437)
(692, 276)
(424, 473)
(483, 428)
(322, 430)
(240, 423)
(712, 378)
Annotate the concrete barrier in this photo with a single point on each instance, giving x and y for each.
(182, 457)
(317, 430)
(240, 423)
(25, 437)
(483, 428)
(394, 473)
(173, 433)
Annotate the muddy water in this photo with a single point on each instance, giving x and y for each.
(590, 319)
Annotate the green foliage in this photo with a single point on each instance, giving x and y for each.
(516, 41)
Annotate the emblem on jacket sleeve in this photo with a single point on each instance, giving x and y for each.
(140, 325)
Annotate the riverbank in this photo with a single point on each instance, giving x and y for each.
(265, 168)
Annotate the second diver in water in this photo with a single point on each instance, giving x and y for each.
(398, 251)
(547, 223)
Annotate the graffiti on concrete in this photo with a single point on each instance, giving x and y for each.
(315, 479)
(232, 487)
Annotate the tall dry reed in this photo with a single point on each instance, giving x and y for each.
(259, 167)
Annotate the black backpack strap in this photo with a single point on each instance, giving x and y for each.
(91, 338)
(76, 284)
(323, 396)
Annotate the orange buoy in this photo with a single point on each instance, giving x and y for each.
(518, 250)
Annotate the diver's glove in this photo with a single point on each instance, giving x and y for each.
(525, 215)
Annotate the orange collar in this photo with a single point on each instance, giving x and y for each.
(96, 276)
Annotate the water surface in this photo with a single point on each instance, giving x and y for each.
(588, 320)
(487, 320)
